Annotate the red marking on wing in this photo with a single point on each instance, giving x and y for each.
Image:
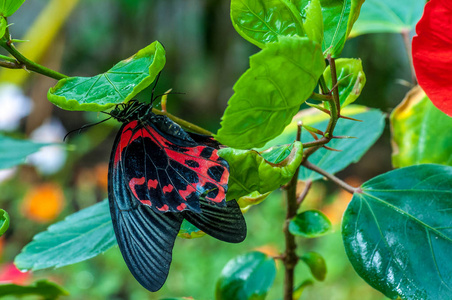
(147, 202)
(167, 189)
(182, 206)
(136, 181)
(219, 198)
(126, 135)
(185, 193)
(163, 208)
(152, 184)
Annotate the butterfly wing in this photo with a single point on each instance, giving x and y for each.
(170, 172)
(145, 238)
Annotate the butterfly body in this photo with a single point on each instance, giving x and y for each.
(159, 175)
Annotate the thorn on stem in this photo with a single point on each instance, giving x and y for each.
(348, 118)
(332, 149)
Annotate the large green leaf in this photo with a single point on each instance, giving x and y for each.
(310, 224)
(262, 21)
(4, 221)
(118, 85)
(79, 237)
(351, 79)
(313, 23)
(388, 16)
(421, 133)
(44, 288)
(8, 7)
(266, 98)
(398, 232)
(248, 276)
(366, 133)
(14, 152)
(316, 264)
(250, 172)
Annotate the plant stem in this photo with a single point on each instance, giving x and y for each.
(24, 63)
(331, 177)
(290, 258)
(406, 41)
(320, 97)
(182, 122)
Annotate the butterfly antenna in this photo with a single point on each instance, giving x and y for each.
(84, 127)
(153, 89)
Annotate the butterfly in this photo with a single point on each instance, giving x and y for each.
(159, 175)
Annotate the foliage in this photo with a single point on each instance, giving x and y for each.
(396, 227)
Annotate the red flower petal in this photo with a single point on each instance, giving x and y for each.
(432, 53)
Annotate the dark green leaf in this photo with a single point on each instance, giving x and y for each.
(421, 133)
(338, 17)
(261, 22)
(310, 224)
(366, 133)
(250, 172)
(4, 221)
(316, 264)
(265, 98)
(397, 232)
(351, 79)
(8, 7)
(44, 288)
(13, 152)
(388, 16)
(189, 231)
(79, 237)
(118, 85)
(248, 276)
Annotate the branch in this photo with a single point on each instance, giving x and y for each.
(331, 177)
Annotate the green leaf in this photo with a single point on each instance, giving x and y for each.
(316, 264)
(338, 17)
(262, 21)
(388, 16)
(298, 291)
(14, 152)
(3, 25)
(251, 199)
(4, 221)
(265, 98)
(351, 79)
(8, 7)
(248, 276)
(250, 172)
(189, 231)
(79, 237)
(397, 232)
(366, 133)
(421, 133)
(118, 85)
(44, 288)
(313, 24)
(310, 224)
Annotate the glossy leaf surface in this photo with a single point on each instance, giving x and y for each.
(44, 288)
(265, 98)
(247, 276)
(366, 133)
(421, 133)
(316, 264)
(4, 221)
(388, 16)
(13, 152)
(79, 237)
(310, 224)
(432, 53)
(8, 7)
(397, 232)
(250, 172)
(313, 24)
(118, 85)
(351, 79)
(262, 21)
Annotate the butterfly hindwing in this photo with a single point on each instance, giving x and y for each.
(145, 238)
(169, 172)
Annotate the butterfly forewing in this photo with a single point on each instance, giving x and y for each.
(170, 173)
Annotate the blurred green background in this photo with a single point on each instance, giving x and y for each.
(205, 56)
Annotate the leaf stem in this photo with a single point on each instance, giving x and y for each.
(183, 123)
(320, 97)
(331, 177)
(290, 258)
(23, 62)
